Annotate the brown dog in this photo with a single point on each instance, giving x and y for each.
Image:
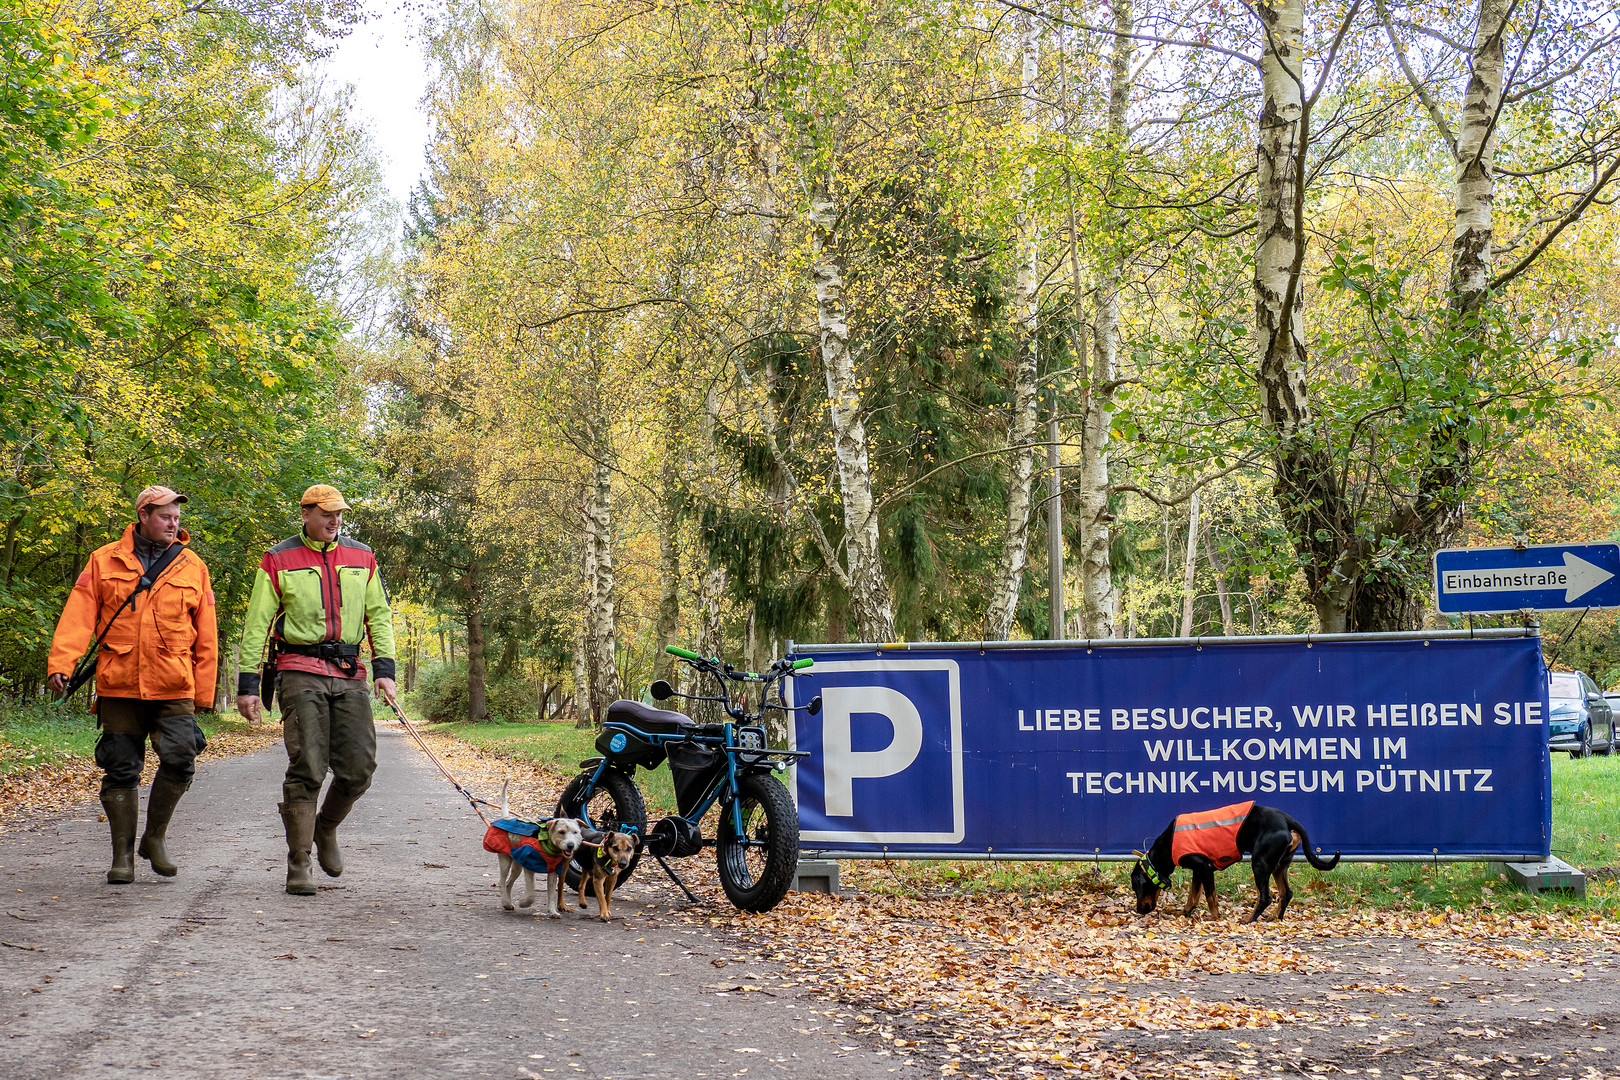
(606, 856)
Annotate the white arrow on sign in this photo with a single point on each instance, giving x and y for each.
(1576, 577)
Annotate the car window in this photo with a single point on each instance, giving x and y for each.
(1564, 684)
(1587, 684)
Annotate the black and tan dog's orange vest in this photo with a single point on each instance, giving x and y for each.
(1212, 833)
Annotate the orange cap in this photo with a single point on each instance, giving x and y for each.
(157, 495)
(324, 496)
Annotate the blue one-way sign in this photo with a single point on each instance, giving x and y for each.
(1541, 577)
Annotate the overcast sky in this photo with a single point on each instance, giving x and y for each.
(383, 59)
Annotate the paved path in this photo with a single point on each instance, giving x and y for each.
(406, 966)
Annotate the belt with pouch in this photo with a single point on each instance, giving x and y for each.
(345, 657)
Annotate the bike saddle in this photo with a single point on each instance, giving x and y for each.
(648, 718)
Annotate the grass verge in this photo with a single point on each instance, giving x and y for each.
(558, 747)
(47, 734)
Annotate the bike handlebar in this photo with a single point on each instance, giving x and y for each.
(687, 654)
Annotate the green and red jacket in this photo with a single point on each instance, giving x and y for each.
(307, 592)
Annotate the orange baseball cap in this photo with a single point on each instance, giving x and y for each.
(324, 496)
(157, 495)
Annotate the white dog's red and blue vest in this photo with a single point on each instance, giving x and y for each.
(526, 843)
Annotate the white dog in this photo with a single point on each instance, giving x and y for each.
(548, 846)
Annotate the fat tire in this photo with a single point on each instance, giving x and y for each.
(768, 816)
(628, 808)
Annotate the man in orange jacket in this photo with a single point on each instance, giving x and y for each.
(156, 667)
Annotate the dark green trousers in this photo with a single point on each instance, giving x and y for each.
(326, 723)
(126, 724)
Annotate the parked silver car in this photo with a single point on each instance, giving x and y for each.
(1581, 722)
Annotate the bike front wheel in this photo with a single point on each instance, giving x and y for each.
(758, 861)
(614, 802)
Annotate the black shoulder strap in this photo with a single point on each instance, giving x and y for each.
(155, 571)
(87, 666)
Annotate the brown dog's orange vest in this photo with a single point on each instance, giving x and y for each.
(1212, 833)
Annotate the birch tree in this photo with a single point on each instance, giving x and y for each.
(1097, 595)
(1026, 400)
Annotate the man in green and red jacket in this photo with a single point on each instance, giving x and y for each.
(316, 597)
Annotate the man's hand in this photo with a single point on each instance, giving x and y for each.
(251, 708)
(57, 683)
(385, 687)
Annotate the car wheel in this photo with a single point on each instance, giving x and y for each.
(1608, 746)
(1585, 748)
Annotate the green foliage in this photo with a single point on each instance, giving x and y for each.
(147, 335)
(441, 696)
(937, 400)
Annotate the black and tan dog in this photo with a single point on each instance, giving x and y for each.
(601, 859)
(1215, 839)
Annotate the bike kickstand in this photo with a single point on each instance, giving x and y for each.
(676, 880)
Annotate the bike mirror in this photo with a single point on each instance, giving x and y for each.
(815, 705)
(661, 690)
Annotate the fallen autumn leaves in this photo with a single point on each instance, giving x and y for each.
(1069, 982)
(1066, 981)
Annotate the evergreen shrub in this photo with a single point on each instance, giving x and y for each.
(440, 695)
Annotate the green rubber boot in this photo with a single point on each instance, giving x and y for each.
(299, 818)
(123, 805)
(160, 806)
(334, 808)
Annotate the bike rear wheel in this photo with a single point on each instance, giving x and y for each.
(615, 801)
(757, 864)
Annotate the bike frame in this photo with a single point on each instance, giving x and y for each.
(725, 785)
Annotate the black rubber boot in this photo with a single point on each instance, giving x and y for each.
(334, 808)
(123, 806)
(160, 806)
(299, 818)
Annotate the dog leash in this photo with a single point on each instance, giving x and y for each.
(472, 799)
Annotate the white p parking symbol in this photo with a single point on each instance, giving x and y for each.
(843, 765)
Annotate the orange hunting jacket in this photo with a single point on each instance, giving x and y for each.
(1212, 833)
(165, 648)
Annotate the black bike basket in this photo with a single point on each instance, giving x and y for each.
(693, 767)
(626, 746)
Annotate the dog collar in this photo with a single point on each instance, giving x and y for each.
(602, 853)
(544, 841)
(1152, 874)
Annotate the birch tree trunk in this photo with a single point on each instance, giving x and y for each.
(1220, 583)
(1306, 486)
(868, 586)
(1057, 619)
(1096, 535)
(582, 680)
(1189, 569)
(668, 625)
(1471, 241)
(1025, 419)
(601, 594)
(710, 642)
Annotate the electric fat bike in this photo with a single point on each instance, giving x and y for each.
(729, 764)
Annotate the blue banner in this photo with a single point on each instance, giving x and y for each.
(1403, 748)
